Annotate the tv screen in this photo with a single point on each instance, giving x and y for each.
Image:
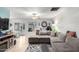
(4, 23)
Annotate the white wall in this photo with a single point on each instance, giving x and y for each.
(15, 18)
(69, 20)
(26, 22)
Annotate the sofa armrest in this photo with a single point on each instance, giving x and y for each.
(56, 40)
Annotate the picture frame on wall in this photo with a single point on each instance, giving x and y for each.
(31, 26)
(19, 26)
(16, 26)
(23, 26)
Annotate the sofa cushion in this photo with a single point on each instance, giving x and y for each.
(61, 36)
(62, 47)
(52, 34)
(56, 40)
(73, 42)
(71, 34)
(44, 32)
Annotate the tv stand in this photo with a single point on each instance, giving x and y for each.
(8, 39)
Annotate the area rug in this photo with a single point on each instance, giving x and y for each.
(38, 48)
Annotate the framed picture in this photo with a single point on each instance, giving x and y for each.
(31, 26)
(16, 26)
(19, 26)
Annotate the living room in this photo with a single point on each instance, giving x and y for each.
(40, 29)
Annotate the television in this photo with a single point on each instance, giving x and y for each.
(4, 23)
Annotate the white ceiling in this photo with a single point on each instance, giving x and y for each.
(26, 12)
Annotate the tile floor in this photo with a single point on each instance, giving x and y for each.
(21, 45)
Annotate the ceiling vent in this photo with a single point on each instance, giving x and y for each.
(54, 8)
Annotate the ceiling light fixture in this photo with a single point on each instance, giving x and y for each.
(35, 16)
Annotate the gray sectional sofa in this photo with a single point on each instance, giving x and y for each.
(62, 44)
(59, 42)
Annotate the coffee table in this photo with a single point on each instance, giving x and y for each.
(39, 40)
